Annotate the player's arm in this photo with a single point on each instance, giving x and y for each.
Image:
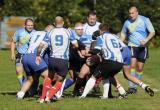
(96, 54)
(151, 31)
(149, 37)
(42, 46)
(123, 33)
(81, 53)
(13, 47)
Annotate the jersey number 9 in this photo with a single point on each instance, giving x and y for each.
(59, 40)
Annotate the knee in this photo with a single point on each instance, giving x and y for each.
(59, 78)
(30, 79)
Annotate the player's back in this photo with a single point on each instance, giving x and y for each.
(111, 47)
(36, 38)
(59, 42)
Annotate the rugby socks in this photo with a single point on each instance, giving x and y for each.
(89, 86)
(60, 92)
(121, 90)
(142, 85)
(131, 84)
(68, 83)
(106, 84)
(79, 84)
(139, 74)
(46, 86)
(54, 89)
(21, 79)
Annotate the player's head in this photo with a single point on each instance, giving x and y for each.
(59, 22)
(48, 28)
(133, 13)
(29, 24)
(103, 27)
(92, 18)
(79, 28)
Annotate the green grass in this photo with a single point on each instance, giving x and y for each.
(139, 101)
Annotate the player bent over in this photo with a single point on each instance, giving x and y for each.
(30, 66)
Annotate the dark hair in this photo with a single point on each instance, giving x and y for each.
(92, 13)
(28, 19)
(104, 27)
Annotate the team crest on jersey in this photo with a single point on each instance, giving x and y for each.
(24, 39)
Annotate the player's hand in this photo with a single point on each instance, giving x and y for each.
(143, 42)
(13, 57)
(37, 60)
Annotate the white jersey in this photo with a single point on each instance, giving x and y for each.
(120, 41)
(88, 29)
(59, 39)
(36, 38)
(110, 46)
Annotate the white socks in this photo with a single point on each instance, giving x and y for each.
(105, 88)
(142, 85)
(121, 90)
(20, 95)
(89, 86)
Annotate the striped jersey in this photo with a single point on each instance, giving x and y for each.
(59, 41)
(110, 46)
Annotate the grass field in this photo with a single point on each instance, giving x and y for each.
(139, 101)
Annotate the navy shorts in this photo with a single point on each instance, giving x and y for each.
(59, 66)
(140, 53)
(107, 68)
(31, 67)
(19, 59)
(126, 54)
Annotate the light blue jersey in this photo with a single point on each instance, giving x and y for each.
(137, 30)
(59, 41)
(110, 46)
(85, 38)
(75, 35)
(21, 37)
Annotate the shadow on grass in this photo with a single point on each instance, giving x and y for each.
(8, 92)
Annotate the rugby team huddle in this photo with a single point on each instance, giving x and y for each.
(89, 53)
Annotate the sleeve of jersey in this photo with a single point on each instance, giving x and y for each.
(45, 41)
(124, 30)
(15, 36)
(149, 25)
(98, 43)
(72, 37)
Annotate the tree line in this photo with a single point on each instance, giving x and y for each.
(114, 12)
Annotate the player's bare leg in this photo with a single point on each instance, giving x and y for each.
(27, 84)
